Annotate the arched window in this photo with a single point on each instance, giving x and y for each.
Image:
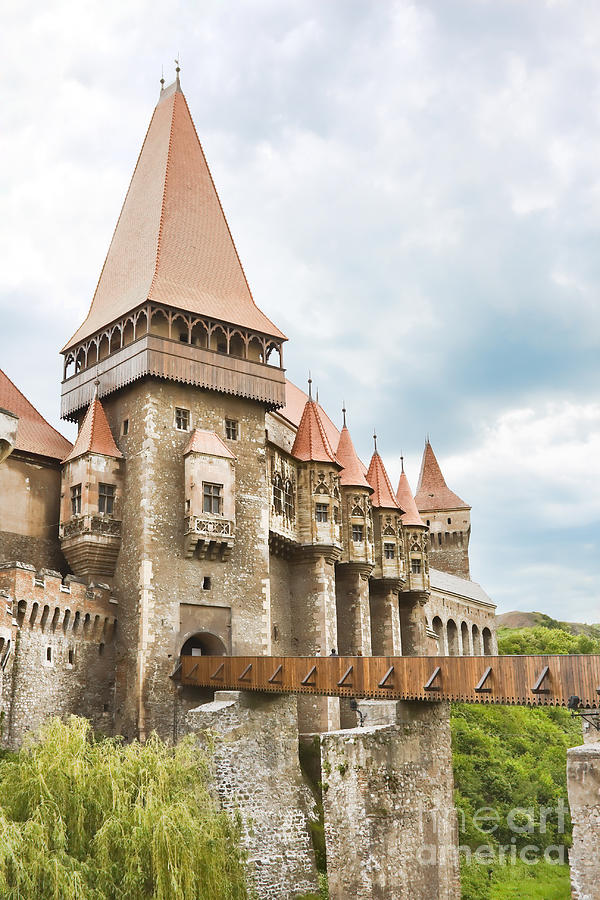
(439, 631)
(277, 494)
(288, 499)
(487, 641)
(452, 632)
(476, 641)
(464, 634)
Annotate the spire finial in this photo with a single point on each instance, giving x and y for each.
(177, 71)
(344, 411)
(309, 385)
(402, 461)
(162, 79)
(317, 398)
(375, 439)
(96, 386)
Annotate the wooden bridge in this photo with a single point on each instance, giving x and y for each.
(525, 680)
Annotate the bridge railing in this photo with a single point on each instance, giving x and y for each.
(526, 680)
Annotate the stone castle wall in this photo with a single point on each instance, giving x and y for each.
(57, 650)
(475, 633)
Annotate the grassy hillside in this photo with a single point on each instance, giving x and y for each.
(518, 619)
(514, 758)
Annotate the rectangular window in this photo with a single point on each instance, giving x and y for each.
(357, 533)
(106, 499)
(389, 551)
(76, 500)
(321, 512)
(212, 498)
(415, 566)
(182, 419)
(125, 426)
(231, 429)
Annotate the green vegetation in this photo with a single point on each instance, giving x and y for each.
(87, 819)
(506, 758)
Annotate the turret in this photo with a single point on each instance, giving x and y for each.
(415, 538)
(319, 498)
(92, 497)
(447, 517)
(387, 518)
(357, 514)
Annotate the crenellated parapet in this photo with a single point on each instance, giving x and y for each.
(44, 601)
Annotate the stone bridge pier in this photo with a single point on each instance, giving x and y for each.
(390, 826)
(583, 783)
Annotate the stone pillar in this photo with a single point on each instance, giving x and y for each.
(315, 627)
(413, 626)
(390, 825)
(257, 772)
(583, 785)
(353, 613)
(385, 618)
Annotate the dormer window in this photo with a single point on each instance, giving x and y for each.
(76, 500)
(106, 499)
(212, 498)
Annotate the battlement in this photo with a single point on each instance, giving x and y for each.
(43, 600)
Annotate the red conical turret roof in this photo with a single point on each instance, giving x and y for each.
(352, 473)
(383, 495)
(94, 435)
(312, 443)
(432, 490)
(407, 502)
(172, 243)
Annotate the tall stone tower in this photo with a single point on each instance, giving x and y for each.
(187, 367)
(447, 516)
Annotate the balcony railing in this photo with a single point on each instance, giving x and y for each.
(208, 527)
(91, 524)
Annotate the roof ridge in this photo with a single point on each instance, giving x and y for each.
(164, 194)
(376, 470)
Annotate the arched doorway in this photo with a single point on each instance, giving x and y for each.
(487, 641)
(204, 643)
(464, 634)
(476, 641)
(439, 630)
(452, 632)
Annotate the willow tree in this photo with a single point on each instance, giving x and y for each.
(87, 819)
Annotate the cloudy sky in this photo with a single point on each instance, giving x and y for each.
(414, 190)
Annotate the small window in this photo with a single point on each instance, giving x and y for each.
(71, 657)
(188, 505)
(206, 583)
(288, 499)
(357, 533)
(182, 419)
(321, 512)
(440, 538)
(49, 654)
(428, 523)
(277, 495)
(389, 551)
(76, 500)
(100, 649)
(212, 498)
(106, 499)
(415, 566)
(125, 426)
(449, 521)
(231, 429)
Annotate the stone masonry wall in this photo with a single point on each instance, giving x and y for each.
(257, 771)
(583, 784)
(153, 577)
(390, 827)
(57, 650)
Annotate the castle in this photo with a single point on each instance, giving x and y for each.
(210, 507)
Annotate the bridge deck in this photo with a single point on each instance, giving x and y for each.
(528, 680)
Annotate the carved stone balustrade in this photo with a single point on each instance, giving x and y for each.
(209, 536)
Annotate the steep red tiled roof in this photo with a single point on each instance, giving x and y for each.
(94, 435)
(295, 401)
(432, 490)
(311, 441)
(407, 502)
(34, 434)
(172, 243)
(352, 473)
(383, 495)
(207, 442)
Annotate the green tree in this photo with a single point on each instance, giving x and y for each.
(87, 819)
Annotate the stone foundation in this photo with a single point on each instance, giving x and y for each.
(583, 783)
(258, 772)
(390, 827)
